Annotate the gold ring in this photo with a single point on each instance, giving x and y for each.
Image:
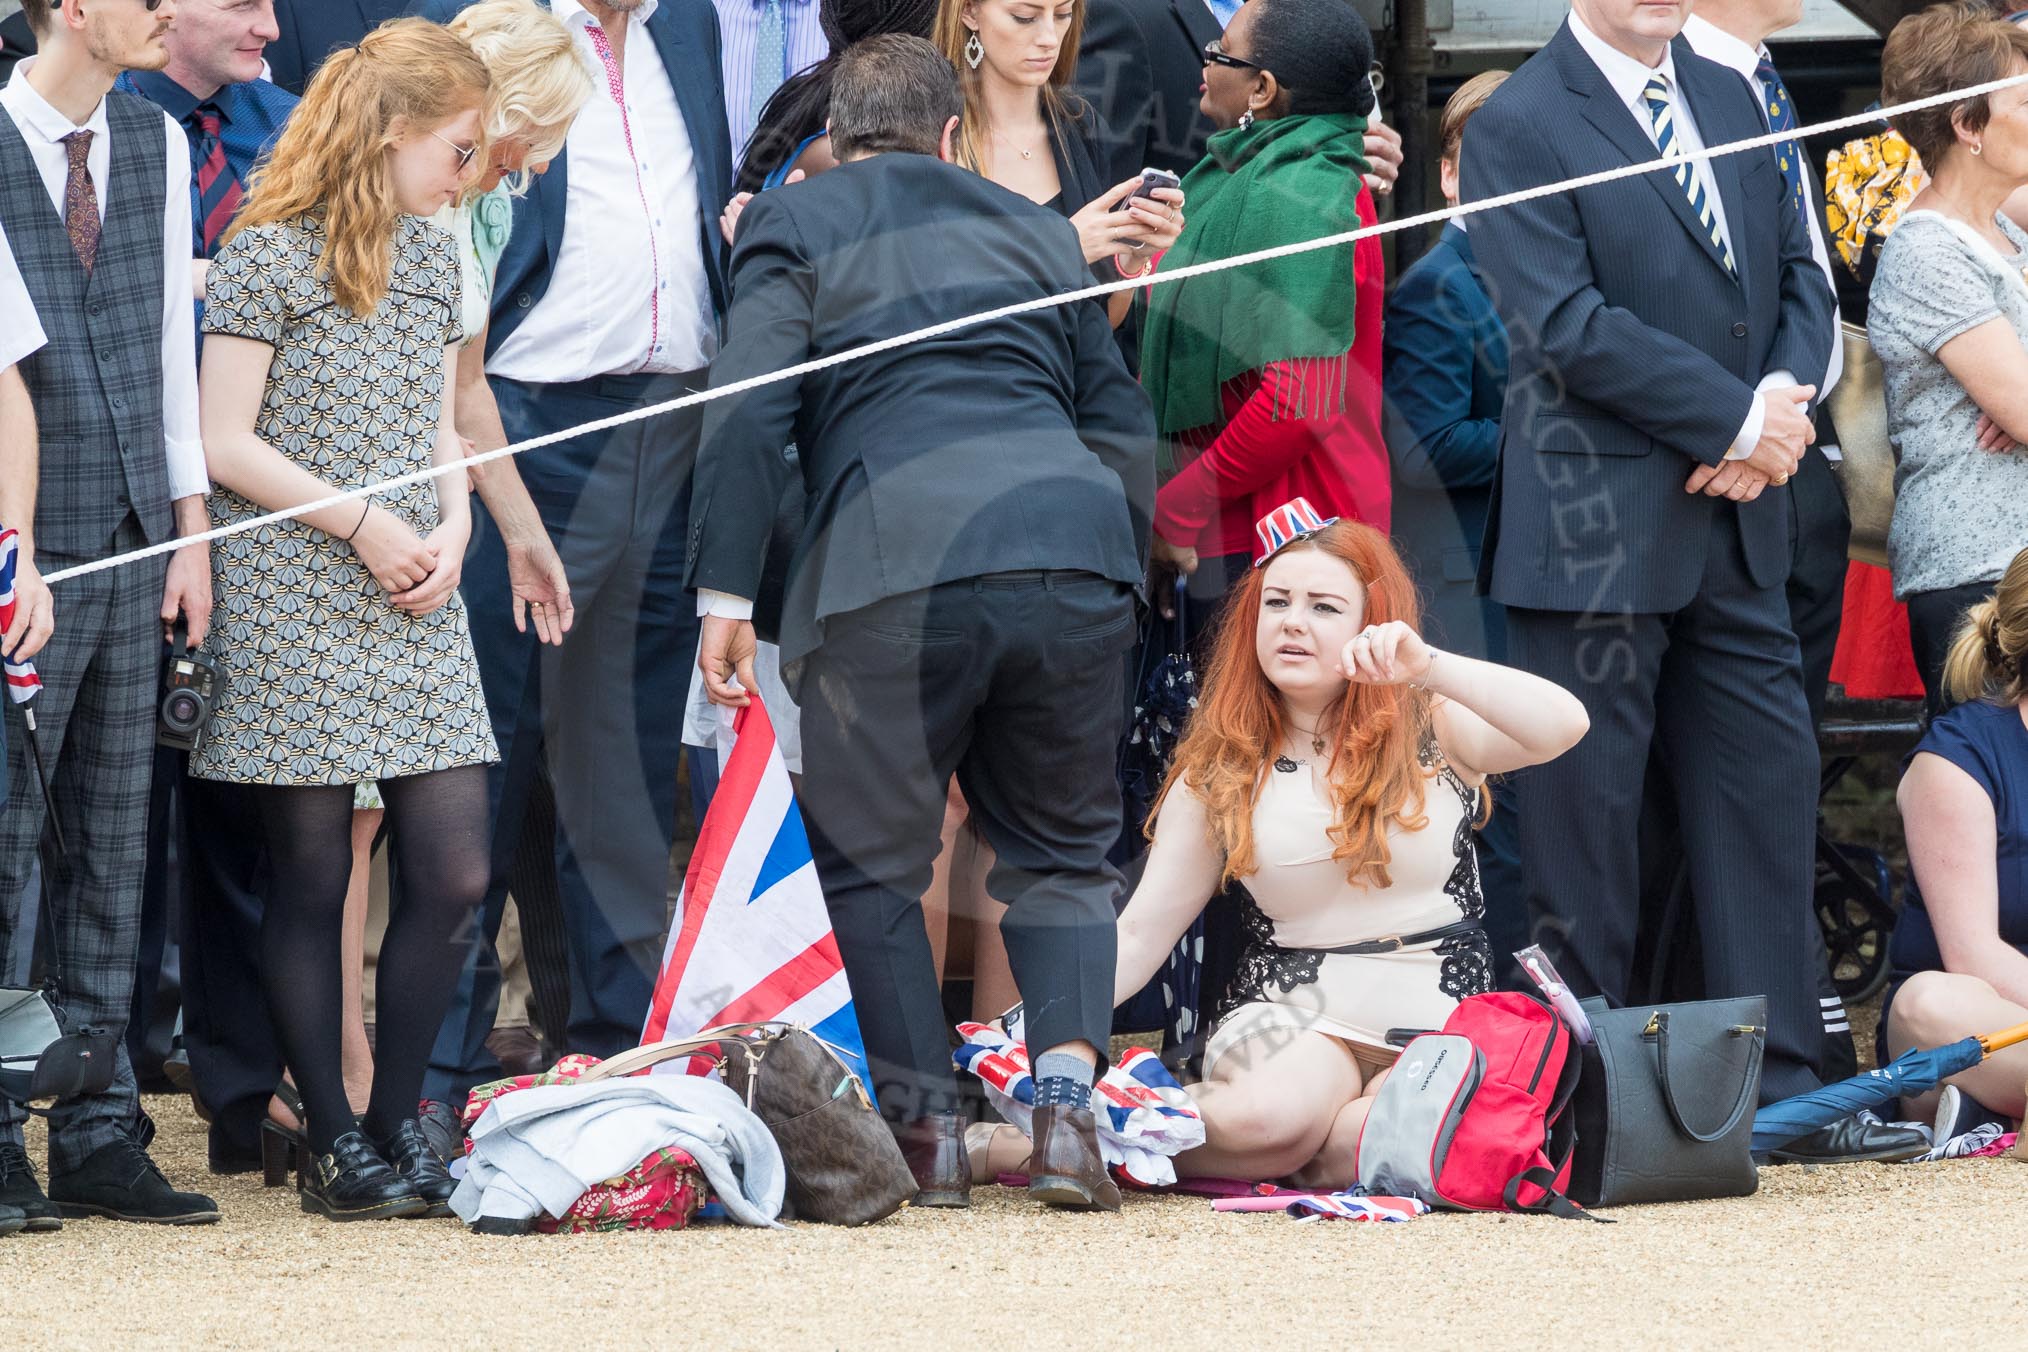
(1781, 479)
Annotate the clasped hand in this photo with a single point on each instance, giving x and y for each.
(1785, 434)
(417, 574)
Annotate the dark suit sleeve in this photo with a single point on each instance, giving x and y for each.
(1116, 75)
(741, 469)
(1428, 360)
(1534, 255)
(436, 11)
(1114, 419)
(1809, 323)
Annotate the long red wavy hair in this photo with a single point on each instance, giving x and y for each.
(1377, 732)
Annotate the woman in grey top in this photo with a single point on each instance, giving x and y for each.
(1949, 318)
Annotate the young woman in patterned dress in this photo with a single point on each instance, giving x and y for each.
(1335, 768)
(333, 315)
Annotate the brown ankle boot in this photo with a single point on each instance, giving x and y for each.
(1066, 1169)
(934, 1147)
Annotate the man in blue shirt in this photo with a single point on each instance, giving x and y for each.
(213, 88)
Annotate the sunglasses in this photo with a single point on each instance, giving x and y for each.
(465, 153)
(1216, 55)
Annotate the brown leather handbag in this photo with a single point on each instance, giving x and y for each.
(844, 1167)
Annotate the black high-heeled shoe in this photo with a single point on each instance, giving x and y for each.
(353, 1183)
(283, 1153)
(409, 1153)
(284, 1150)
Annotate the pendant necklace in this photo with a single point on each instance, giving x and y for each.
(1288, 765)
(1009, 143)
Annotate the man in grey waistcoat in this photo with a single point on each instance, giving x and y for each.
(95, 201)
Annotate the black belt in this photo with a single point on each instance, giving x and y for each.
(1394, 943)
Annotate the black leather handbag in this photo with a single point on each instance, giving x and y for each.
(1665, 1103)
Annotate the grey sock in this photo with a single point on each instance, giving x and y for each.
(1062, 1078)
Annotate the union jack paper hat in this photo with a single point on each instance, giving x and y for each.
(1294, 520)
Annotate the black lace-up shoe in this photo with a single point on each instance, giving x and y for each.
(20, 1191)
(121, 1183)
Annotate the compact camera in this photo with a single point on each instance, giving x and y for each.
(189, 694)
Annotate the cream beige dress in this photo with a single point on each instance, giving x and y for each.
(1299, 901)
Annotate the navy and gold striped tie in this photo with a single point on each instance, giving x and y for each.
(1662, 114)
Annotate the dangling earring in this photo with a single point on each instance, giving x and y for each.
(975, 50)
(1976, 149)
(1246, 119)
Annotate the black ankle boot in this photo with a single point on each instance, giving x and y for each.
(409, 1152)
(353, 1183)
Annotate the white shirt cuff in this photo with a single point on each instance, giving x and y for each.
(188, 477)
(1756, 417)
(1749, 431)
(723, 605)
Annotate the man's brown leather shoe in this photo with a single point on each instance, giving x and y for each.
(934, 1147)
(1066, 1169)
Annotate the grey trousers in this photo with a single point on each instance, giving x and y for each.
(96, 725)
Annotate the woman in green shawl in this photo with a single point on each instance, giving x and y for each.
(1266, 378)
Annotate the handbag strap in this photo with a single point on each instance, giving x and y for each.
(638, 1059)
(1748, 1083)
(1552, 1202)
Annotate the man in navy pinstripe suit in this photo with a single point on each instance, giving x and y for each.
(1668, 331)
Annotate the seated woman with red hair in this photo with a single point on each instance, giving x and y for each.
(1335, 767)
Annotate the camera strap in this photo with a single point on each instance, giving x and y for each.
(52, 835)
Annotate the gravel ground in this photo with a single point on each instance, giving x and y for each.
(1822, 1258)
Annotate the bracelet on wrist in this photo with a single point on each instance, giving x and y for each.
(361, 522)
(1429, 672)
(1147, 266)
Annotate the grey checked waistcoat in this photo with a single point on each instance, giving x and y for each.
(97, 384)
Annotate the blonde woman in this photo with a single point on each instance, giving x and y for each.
(540, 83)
(1960, 949)
(333, 315)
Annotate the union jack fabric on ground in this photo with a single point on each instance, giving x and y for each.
(752, 941)
(1343, 1206)
(1144, 1115)
(22, 682)
(1309, 1206)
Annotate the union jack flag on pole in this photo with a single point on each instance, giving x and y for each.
(752, 941)
(23, 684)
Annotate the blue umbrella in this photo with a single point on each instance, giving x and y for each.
(1913, 1072)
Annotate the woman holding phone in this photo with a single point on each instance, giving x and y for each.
(1025, 130)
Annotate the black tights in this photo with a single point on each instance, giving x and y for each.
(437, 823)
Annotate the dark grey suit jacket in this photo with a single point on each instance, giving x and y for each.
(312, 29)
(1017, 444)
(1140, 62)
(1635, 352)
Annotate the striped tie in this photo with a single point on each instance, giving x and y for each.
(1656, 95)
(218, 189)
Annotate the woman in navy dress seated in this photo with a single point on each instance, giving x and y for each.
(1960, 951)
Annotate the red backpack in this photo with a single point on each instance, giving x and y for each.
(1477, 1117)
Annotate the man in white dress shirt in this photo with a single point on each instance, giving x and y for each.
(1734, 34)
(607, 299)
(20, 337)
(95, 199)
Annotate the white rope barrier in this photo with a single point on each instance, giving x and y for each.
(1103, 289)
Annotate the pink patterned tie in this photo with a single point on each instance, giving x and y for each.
(81, 200)
(617, 85)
